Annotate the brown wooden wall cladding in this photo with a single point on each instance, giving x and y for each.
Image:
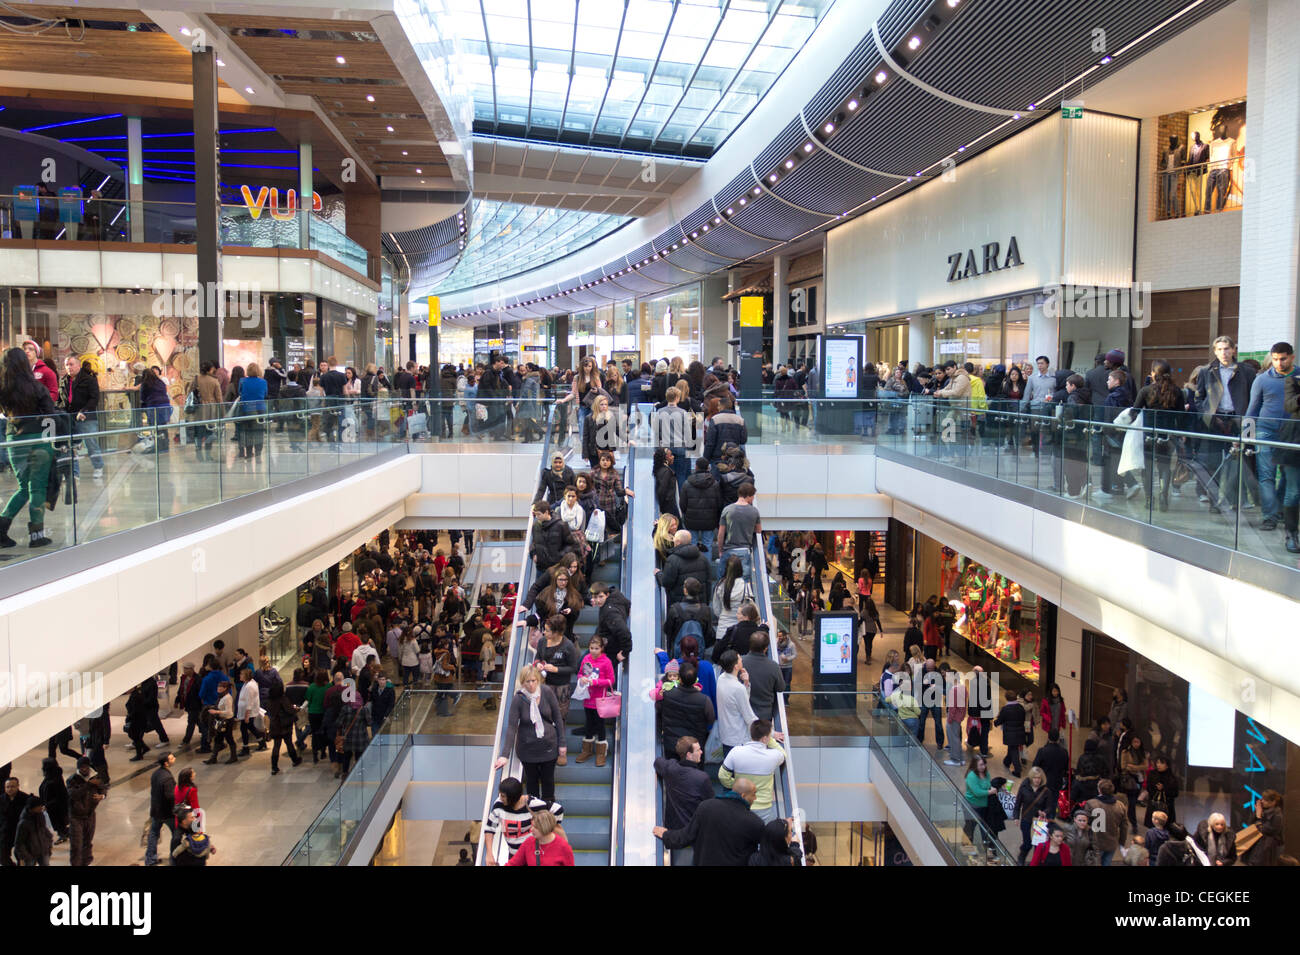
(147, 56)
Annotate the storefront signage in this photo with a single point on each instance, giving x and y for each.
(991, 259)
(1072, 109)
(435, 312)
(751, 311)
(255, 206)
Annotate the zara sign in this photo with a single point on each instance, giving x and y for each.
(991, 259)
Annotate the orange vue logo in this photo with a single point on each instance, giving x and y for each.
(255, 206)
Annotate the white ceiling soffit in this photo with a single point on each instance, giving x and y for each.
(831, 43)
(408, 216)
(1203, 65)
(573, 177)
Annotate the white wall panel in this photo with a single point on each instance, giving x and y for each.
(178, 268)
(20, 267)
(129, 270)
(69, 268)
(1099, 192)
(295, 275)
(260, 270)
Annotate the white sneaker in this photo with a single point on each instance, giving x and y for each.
(99, 474)
(1133, 491)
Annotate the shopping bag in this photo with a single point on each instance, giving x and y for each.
(580, 692)
(713, 750)
(417, 424)
(1038, 832)
(596, 526)
(1132, 454)
(609, 706)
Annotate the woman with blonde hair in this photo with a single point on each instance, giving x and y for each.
(545, 845)
(534, 727)
(665, 529)
(1033, 801)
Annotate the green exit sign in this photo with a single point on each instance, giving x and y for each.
(1072, 109)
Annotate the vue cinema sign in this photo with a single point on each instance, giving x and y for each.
(991, 259)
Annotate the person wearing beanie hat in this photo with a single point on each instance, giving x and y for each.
(43, 372)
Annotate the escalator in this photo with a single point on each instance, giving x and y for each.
(588, 793)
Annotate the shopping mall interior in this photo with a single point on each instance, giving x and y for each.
(879, 364)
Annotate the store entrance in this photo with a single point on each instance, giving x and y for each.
(887, 343)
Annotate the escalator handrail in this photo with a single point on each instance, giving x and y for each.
(786, 788)
(517, 655)
(618, 779)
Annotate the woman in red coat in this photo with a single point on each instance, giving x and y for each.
(1053, 710)
(1054, 851)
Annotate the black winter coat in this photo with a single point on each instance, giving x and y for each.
(666, 491)
(162, 794)
(684, 711)
(550, 540)
(685, 560)
(1012, 720)
(612, 626)
(701, 502)
(723, 831)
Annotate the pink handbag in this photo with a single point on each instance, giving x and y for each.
(609, 706)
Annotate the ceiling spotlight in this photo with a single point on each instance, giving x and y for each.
(789, 164)
(953, 3)
(404, 152)
(743, 200)
(695, 235)
(185, 31)
(390, 129)
(422, 182)
(706, 227)
(913, 43)
(717, 220)
(1015, 115)
(853, 104)
(881, 76)
(686, 239)
(370, 97)
(828, 128)
(730, 212)
(807, 147)
(909, 178)
(1105, 60)
(220, 62)
(249, 90)
(772, 178)
(418, 171)
(961, 149)
(674, 246)
(340, 60)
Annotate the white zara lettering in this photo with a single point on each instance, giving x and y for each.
(76, 908)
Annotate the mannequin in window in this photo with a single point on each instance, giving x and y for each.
(1198, 153)
(1174, 158)
(1220, 181)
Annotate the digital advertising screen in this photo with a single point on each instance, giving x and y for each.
(835, 644)
(841, 365)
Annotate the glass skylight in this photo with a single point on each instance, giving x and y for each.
(506, 238)
(669, 76)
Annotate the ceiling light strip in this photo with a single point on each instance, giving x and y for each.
(766, 191)
(921, 84)
(813, 138)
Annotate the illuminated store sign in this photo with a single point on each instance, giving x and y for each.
(255, 206)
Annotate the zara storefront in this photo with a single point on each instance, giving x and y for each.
(1023, 250)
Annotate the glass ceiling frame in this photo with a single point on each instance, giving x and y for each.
(507, 238)
(673, 77)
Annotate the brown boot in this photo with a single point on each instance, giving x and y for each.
(586, 751)
(563, 758)
(602, 748)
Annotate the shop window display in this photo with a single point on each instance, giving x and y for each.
(994, 613)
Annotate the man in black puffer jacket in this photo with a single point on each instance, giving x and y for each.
(684, 560)
(550, 537)
(701, 500)
(684, 710)
(611, 625)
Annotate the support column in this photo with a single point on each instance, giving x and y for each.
(1044, 336)
(305, 189)
(1270, 224)
(780, 311)
(733, 317)
(920, 340)
(135, 178)
(403, 337)
(207, 203)
(435, 331)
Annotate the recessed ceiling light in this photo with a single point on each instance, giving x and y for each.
(961, 149)
(828, 128)
(370, 97)
(220, 62)
(390, 129)
(706, 227)
(913, 43)
(249, 90)
(695, 235)
(807, 147)
(1015, 116)
(404, 152)
(757, 190)
(789, 164)
(772, 178)
(731, 211)
(717, 220)
(881, 76)
(953, 3)
(185, 31)
(340, 60)
(853, 104)
(743, 200)
(422, 182)
(418, 171)
(1105, 60)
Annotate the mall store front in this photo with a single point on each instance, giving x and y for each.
(1223, 759)
(1001, 624)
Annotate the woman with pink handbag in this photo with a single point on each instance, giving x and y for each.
(596, 678)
